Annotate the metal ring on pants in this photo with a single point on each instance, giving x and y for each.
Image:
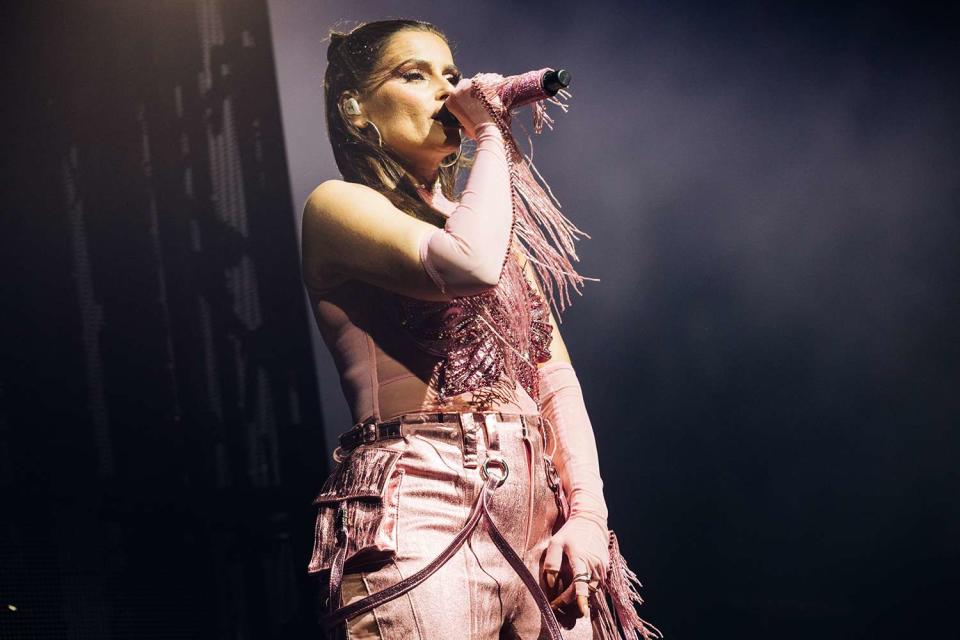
(476, 513)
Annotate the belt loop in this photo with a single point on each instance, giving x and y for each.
(541, 431)
(549, 436)
(468, 430)
(493, 437)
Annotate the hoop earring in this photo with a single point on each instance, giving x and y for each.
(456, 158)
(379, 137)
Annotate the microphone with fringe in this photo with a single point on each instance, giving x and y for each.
(516, 91)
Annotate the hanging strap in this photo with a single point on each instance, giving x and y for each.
(480, 510)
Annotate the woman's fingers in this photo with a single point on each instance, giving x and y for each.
(566, 598)
(574, 592)
(586, 566)
(582, 588)
(581, 577)
(467, 108)
(594, 586)
(578, 590)
(550, 577)
(552, 561)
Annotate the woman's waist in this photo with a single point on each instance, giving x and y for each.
(411, 395)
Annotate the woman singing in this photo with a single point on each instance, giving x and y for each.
(466, 502)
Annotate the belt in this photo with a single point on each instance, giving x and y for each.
(370, 430)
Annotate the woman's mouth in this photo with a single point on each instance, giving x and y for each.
(445, 125)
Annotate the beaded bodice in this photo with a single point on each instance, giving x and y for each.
(487, 343)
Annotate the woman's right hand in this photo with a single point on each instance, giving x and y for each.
(467, 107)
(585, 544)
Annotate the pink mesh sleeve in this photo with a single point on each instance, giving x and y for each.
(585, 536)
(575, 457)
(466, 256)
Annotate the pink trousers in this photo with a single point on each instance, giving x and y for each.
(476, 594)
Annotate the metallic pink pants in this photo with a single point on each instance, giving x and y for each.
(476, 594)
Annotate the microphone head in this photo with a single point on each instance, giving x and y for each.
(553, 81)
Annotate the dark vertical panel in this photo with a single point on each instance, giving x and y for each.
(160, 431)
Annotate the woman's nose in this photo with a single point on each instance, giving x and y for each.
(446, 88)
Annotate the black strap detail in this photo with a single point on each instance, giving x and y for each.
(371, 430)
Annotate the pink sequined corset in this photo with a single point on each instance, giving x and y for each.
(478, 349)
(488, 343)
(397, 355)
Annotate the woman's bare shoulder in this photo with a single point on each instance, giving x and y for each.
(329, 195)
(324, 215)
(351, 230)
(335, 183)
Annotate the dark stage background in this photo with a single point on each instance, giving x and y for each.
(771, 359)
(161, 436)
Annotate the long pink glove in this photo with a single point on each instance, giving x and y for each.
(584, 536)
(467, 255)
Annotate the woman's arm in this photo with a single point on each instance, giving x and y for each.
(467, 255)
(352, 231)
(584, 536)
(561, 398)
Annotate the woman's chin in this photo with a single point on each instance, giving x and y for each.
(449, 146)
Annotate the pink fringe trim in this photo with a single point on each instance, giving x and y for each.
(619, 587)
(546, 237)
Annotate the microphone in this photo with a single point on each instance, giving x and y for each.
(518, 90)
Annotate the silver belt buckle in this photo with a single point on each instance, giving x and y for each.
(370, 432)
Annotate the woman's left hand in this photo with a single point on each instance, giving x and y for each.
(585, 544)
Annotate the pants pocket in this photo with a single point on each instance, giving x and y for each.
(360, 498)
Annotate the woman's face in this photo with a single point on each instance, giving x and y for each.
(421, 74)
